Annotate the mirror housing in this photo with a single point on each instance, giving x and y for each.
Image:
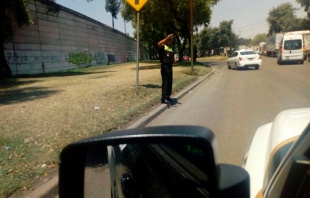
(224, 180)
(234, 181)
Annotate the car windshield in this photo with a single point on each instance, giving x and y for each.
(247, 53)
(72, 69)
(292, 44)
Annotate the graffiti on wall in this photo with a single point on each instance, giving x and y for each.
(111, 58)
(80, 58)
(123, 58)
(99, 58)
(50, 59)
(15, 59)
(130, 58)
(84, 58)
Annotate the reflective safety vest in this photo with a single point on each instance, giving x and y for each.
(168, 56)
(168, 48)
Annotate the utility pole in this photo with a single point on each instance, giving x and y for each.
(250, 42)
(124, 20)
(125, 25)
(296, 9)
(239, 39)
(192, 39)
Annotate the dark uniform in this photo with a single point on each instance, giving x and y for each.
(166, 58)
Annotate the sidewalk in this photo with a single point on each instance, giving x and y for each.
(47, 187)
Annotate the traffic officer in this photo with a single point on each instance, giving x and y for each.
(166, 57)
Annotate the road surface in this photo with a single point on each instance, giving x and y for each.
(235, 103)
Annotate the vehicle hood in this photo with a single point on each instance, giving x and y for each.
(287, 124)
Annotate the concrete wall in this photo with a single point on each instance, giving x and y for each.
(66, 41)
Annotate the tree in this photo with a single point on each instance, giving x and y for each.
(225, 34)
(215, 38)
(305, 4)
(304, 23)
(243, 41)
(259, 38)
(203, 40)
(113, 6)
(281, 19)
(15, 13)
(161, 17)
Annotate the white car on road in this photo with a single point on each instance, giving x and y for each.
(278, 159)
(244, 59)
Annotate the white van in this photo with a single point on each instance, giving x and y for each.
(291, 48)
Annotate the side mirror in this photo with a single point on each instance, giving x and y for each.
(165, 161)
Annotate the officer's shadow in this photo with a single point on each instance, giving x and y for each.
(174, 101)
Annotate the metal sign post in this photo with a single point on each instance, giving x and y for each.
(138, 52)
(137, 5)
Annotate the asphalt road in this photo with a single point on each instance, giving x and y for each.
(234, 103)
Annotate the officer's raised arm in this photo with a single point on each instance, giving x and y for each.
(160, 43)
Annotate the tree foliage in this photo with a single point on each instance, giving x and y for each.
(281, 19)
(226, 34)
(244, 41)
(161, 17)
(258, 38)
(203, 40)
(113, 6)
(15, 13)
(215, 38)
(305, 23)
(305, 4)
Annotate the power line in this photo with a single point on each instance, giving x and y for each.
(251, 26)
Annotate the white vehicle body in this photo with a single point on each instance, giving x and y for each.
(262, 48)
(291, 49)
(267, 141)
(244, 59)
(306, 41)
(294, 47)
(272, 44)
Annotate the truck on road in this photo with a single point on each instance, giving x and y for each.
(262, 48)
(272, 44)
(307, 46)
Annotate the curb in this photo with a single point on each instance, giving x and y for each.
(50, 187)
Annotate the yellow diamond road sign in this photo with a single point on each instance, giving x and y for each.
(136, 4)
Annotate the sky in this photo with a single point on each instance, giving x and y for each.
(249, 16)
